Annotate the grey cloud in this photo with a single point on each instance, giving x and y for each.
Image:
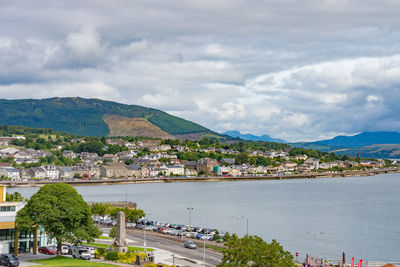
(299, 70)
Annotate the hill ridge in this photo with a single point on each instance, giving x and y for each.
(84, 116)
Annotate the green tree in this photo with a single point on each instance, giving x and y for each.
(100, 208)
(129, 162)
(132, 215)
(113, 232)
(62, 212)
(14, 197)
(242, 158)
(254, 251)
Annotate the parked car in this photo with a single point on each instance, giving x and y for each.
(48, 250)
(81, 253)
(190, 244)
(64, 249)
(91, 251)
(198, 236)
(9, 260)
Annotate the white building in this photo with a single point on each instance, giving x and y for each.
(175, 170)
(52, 172)
(11, 173)
(8, 213)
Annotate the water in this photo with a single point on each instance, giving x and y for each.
(358, 215)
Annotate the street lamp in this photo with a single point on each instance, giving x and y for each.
(204, 247)
(247, 224)
(144, 243)
(190, 219)
(315, 236)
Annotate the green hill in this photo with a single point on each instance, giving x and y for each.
(86, 117)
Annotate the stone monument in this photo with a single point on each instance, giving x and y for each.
(120, 243)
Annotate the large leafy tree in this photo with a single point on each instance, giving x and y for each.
(132, 215)
(62, 212)
(254, 251)
(100, 208)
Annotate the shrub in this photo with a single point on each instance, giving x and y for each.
(158, 264)
(112, 256)
(129, 257)
(122, 256)
(102, 251)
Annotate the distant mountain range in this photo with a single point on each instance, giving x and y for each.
(363, 139)
(95, 117)
(368, 144)
(251, 137)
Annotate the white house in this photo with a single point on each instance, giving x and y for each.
(175, 170)
(52, 172)
(11, 173)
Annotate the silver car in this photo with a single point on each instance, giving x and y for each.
(190, 244)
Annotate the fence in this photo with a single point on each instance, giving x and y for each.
(320, 262)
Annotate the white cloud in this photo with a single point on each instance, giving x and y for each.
(85, 43)
(290, 69)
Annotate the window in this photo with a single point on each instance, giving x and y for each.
(7, 208)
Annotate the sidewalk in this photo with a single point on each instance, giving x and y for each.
(25, 258)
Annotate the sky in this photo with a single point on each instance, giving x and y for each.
(295, 70)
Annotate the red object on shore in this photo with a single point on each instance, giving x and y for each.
(352, 262)
(360, 263)
(297, 254)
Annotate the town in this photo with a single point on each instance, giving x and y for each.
(52, 157)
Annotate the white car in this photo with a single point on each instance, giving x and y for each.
(64, 249)
(91, 251)
(81, 253)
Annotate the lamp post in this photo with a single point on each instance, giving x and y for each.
(144, 244)
(315, 236)
(144, 238)
(247, 224)
(190, 219)
(204, 251)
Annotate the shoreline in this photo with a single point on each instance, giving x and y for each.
(314, 175)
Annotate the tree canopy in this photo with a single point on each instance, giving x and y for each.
(254, 251)
(14, 197)
(62, 212)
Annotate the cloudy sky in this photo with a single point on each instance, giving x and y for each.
(296, 70)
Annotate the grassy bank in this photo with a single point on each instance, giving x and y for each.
(68, 262)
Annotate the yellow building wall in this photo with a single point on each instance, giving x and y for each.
(2, 193)
(7, 225)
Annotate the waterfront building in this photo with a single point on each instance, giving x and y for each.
(22, 241)
(206, 165)
(114, 170)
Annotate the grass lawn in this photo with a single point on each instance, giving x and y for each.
(212, 247)
(104, 237)
(98, 245)
(67, 262)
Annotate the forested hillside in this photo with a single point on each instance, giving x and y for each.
(82, 116)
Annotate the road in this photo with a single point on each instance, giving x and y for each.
(176, 247)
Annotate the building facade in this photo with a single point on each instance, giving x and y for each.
(9, 237)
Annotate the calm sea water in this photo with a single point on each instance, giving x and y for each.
(358, 215)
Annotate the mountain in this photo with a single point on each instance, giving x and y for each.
(368, 144)
(363, 139)
(387, 151)
(95, 117)
(251, 137)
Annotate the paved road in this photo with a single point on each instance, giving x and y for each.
(176, 247)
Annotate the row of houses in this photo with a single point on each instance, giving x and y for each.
(24, 156)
